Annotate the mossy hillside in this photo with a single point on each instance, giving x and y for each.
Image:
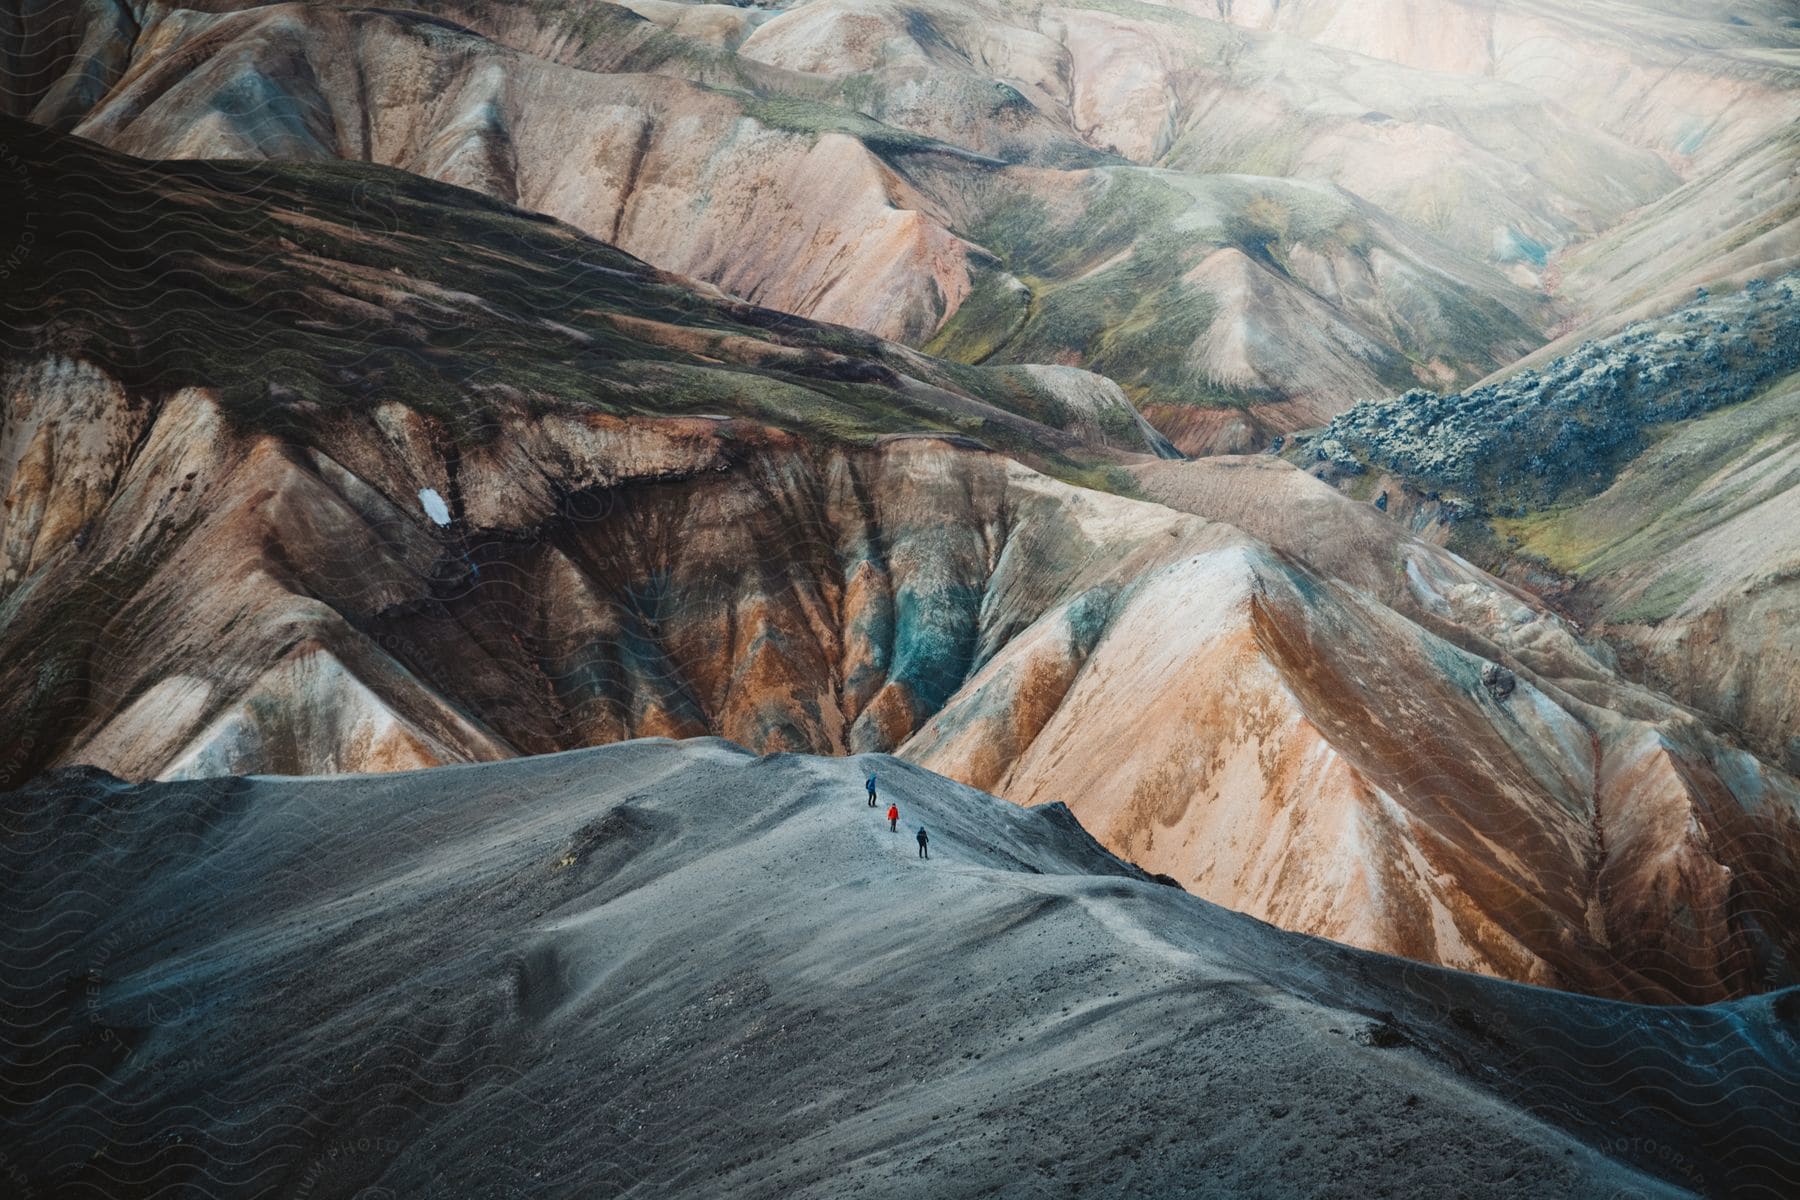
(858, 91)
(1131, 323)
(593, 36)
(1258, 151)
(1661, 600)
(1124, 208)
(613, 38)
(1103, 282)
(1450, 322)
(1696, 475)
(1029, 395)
(1106, 286)
(587, 24)
(814, 118)
(845, 413)
(298, 289)
(987, 319)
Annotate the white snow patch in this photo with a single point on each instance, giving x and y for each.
(435, 508)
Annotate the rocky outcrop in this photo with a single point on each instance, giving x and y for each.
(1541, 435)
(1687, 564)
(1644, 480)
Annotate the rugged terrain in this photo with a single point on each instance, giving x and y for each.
(1647, 477)
(612, 406)
(336, 502)
(1688, 563)
(1248, 229)
(681, 969)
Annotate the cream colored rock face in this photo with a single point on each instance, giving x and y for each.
(66, 431)
(1691, 85)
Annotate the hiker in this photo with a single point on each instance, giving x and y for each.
(923, 852)
(871, 791)
(893, 818)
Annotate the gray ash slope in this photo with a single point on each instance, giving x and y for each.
(664, 968)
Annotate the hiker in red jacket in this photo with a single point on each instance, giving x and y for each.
(893, 818)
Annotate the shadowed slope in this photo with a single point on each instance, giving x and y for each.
(234, 394)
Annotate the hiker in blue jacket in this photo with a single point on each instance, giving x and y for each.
(923, 852)
(871, 791)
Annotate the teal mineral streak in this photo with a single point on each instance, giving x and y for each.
(270, 116)
(934, 642)
(612, 670)
(1522, 247)
(1088, 616)
(1311, 588)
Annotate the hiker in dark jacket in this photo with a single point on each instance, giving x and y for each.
(893, 818)
(871, 791)
(923, 852)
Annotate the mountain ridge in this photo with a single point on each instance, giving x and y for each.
(513, 946)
